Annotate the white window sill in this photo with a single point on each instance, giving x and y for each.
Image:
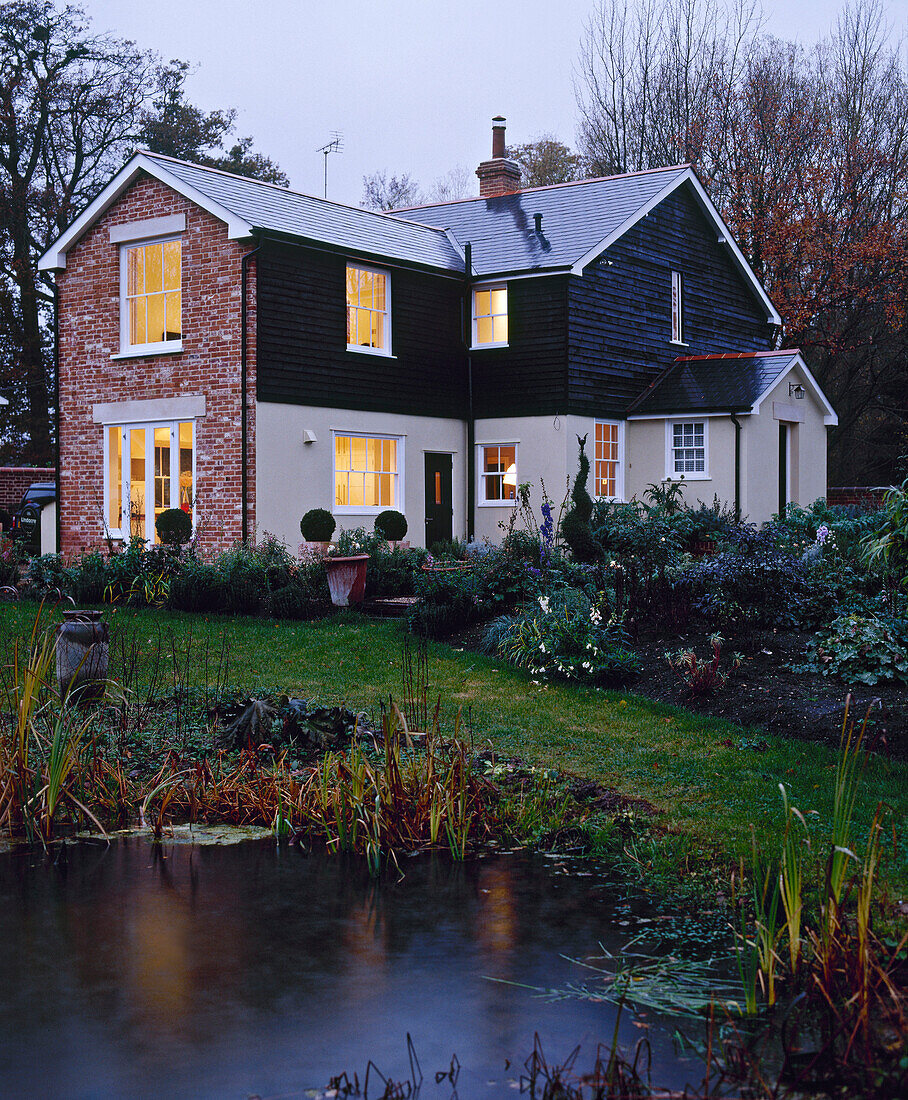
(687, 477)
(482, 347)
(496, 504)
(172, 347)
(678, 344)
(361, 349)
(363, 511)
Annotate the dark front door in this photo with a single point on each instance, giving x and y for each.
(439, 498)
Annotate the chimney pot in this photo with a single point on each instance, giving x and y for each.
(498, 176)
(498, 128)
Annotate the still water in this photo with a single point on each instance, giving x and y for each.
(184, 971)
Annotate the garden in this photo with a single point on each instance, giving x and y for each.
(657, 689)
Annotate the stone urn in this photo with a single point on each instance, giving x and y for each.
(83, 652)
(347, 579)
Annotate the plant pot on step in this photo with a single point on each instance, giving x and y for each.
(347, 579)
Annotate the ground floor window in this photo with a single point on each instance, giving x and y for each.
(687, 449)
(148, 468)
(366, 472)
(607, 472)
(498, 473)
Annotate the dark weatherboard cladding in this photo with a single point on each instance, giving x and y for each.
(302, 355)
(619, 336)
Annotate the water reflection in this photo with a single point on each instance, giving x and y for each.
(229, 971)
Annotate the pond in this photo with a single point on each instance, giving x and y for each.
(228, 971)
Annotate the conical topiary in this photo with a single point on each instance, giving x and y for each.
(575, 527)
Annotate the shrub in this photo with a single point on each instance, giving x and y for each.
(317, 525)
(85, 580)
(888, 550)
(10, 559)
(563, 635)
(245, 579)
(174, 526)
(295, 602)
(575, 527)
(702, 677)
(46, 575)
(391, 525)
(199, 586)
(860, 649)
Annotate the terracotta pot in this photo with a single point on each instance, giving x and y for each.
(347, 579)
(400, 544)
(83, 650)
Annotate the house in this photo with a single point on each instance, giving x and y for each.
(247, 353)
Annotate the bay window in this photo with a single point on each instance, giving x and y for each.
(367, 473)
(148, 468)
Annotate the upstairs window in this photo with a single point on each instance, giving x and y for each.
(490, 316)
(687, 450)
(151, 296)
(607, 470)
(498, 474)
(366, 473)
(368, 311)
(677, 311)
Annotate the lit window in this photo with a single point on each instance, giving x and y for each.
(148, 468)
(607, 469)
(677, 317)
(368, 318)
(688, 449)
(152, 306)
(365, 473)
(498, 476)
(490, 315)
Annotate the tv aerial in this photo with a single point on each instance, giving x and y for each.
(335, 145)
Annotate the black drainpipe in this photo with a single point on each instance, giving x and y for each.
(737, 424)
(471, 423)
(57, 407)
(244, 429)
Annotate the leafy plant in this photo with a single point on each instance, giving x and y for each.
(702, 677)
(860, 648)
(888, 550)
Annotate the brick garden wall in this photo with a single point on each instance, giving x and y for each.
(863, 495)
(209, 364)
(14, 480)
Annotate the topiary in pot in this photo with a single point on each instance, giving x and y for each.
(317, 525)
(174, 526)
(391, 525)
(575, 527)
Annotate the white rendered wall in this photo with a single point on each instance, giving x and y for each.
(293, 476)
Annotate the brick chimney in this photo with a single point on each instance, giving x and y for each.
(498, 176)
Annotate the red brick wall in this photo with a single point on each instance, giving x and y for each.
(209, 364)
(855, 494)
(14, 480)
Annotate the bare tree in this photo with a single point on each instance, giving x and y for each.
(68, 105)
(382, 191)
(457, 183)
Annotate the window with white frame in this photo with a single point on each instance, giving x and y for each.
(608, 475)
(490, 316)
(151, 298)
(367, 473)
(148, 468)
(368, 310)
(498, 473)
(687, 449)
(677, 309)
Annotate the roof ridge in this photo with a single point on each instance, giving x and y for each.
(545, 187)
(285, 190)
(738, 355)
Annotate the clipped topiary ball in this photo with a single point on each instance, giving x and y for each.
(317, 525)
(174, 526)
(391, 525)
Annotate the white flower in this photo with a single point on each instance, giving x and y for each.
(595, 616)
(544, 604)
(542, 648)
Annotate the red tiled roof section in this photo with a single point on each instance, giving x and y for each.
(737, 355)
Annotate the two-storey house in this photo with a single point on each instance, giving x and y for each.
(247, 353)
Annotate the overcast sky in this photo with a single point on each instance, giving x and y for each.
(412, 84)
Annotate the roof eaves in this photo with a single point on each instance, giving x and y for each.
(353, 252)
(830, 418)
(55, 256)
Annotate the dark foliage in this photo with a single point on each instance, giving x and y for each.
(575, 527)
(317, 525)
(174, 526)
(391, 525)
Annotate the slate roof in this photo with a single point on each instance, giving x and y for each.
(724, 382)
(576, 217)
(279, 210)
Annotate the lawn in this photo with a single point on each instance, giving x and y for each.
(710, 782)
